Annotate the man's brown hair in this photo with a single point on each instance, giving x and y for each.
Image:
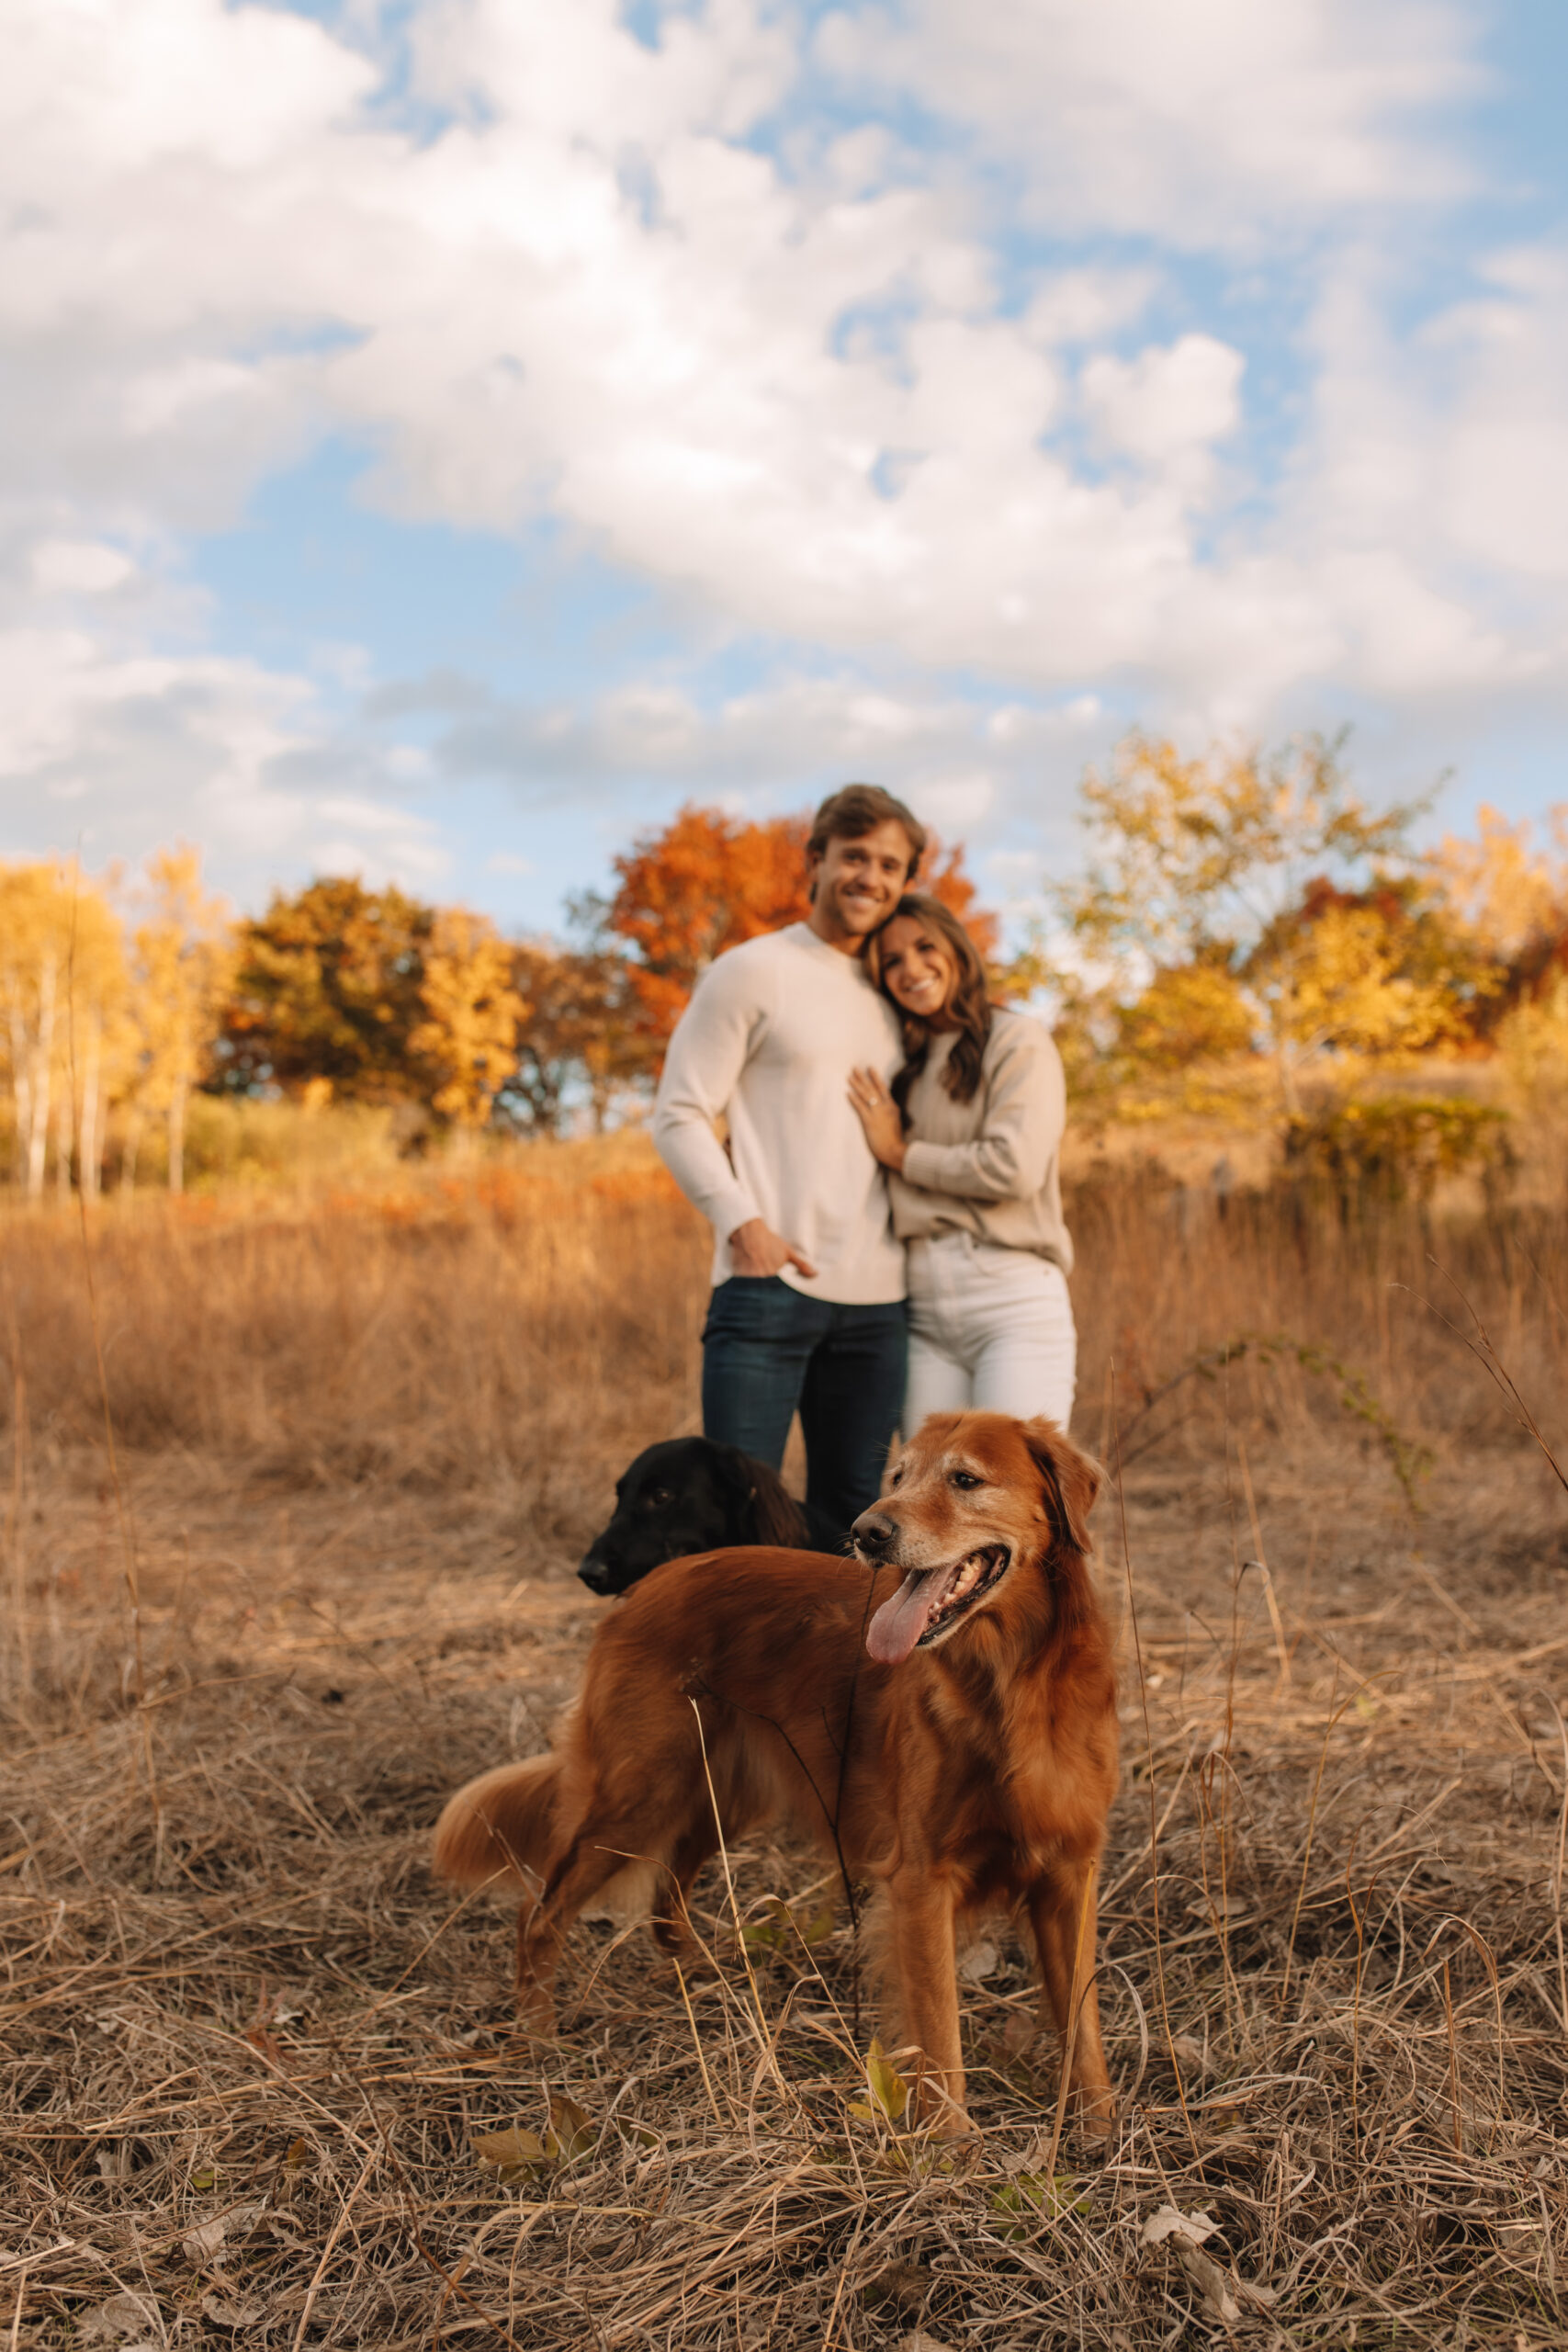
(856, 810)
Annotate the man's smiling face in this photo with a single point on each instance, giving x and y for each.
(856, 884)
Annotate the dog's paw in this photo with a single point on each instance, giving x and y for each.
(1096, 2120)
(536, 2011)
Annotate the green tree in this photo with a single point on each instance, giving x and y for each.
(327, 992)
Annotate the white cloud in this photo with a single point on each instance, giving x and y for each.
(779, 739)
(119, 752)
(719, 379)
(1212, 123)
(80, 566)
(1505, 466)
(811, 393)
(1170, 403)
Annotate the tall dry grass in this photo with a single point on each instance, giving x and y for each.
(535, 1321)
(529, 1323)
(251, 2057)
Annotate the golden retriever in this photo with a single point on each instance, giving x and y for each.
(940, 1712)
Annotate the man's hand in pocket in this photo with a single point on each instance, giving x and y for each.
(756, 1249)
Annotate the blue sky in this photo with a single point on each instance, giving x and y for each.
(442, 436)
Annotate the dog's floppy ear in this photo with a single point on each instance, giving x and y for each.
(733, 1471)
(1071, 1480)
(772, 1516)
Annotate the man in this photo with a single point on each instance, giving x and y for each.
(807, 1306)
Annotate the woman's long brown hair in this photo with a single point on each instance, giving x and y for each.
(970, 1004)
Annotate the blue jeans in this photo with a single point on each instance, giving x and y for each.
(769, 1350)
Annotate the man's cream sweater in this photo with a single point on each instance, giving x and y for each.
(767, 1044)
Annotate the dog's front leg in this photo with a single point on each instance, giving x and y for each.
(1062, 1913)
(925, 1962)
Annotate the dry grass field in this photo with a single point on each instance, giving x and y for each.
(252, 2055)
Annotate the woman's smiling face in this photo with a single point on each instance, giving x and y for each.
(919, 969)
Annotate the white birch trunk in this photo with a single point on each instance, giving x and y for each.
(64, 1137)
(21, 1087)
(42, 1057)
(87, 1172)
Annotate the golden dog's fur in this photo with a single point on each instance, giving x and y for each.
(968, 1763)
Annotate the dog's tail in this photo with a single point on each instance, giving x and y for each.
(499, 1828)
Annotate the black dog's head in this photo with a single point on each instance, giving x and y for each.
(689, 1495)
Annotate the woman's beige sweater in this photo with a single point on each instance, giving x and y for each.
(990, 1166)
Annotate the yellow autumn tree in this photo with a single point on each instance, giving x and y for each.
(1209, 916)
(468, 1040)
(1504, 892)
(61, 1005)
(183, 955)
(1344, 981)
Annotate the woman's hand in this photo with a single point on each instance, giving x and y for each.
(879, 1116)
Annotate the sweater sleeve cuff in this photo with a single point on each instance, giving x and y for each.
(922, 1166)
(729, 1209)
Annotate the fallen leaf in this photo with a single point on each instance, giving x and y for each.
(123, 2314)
(770, 1933)
(570, 2126)
(1212, 2283)
(919, 2341)
(979, 1962)
(887, 2086)
(1168, 2222)
(522, 2153)
(1220, 2288)
(517, 2153)
(819, 1927)
(208, 2238)
(1189, 2053)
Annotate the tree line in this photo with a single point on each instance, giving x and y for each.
(1236, 911)
(118, 1004)
(1243, 908)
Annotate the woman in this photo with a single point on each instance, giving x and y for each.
(970, 1134)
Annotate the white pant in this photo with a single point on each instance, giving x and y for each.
(989, 1327)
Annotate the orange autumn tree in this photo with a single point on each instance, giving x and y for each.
(707, 880)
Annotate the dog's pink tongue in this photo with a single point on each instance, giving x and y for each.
(899, 1622)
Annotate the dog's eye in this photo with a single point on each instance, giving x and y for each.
(898, 1477)
(657, 1498)
(966, 1479)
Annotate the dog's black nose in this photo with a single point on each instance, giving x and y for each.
(595, 1573)
(872, 1531)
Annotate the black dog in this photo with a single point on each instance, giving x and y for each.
(692, 1495)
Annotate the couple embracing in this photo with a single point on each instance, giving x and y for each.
(887, 1216)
